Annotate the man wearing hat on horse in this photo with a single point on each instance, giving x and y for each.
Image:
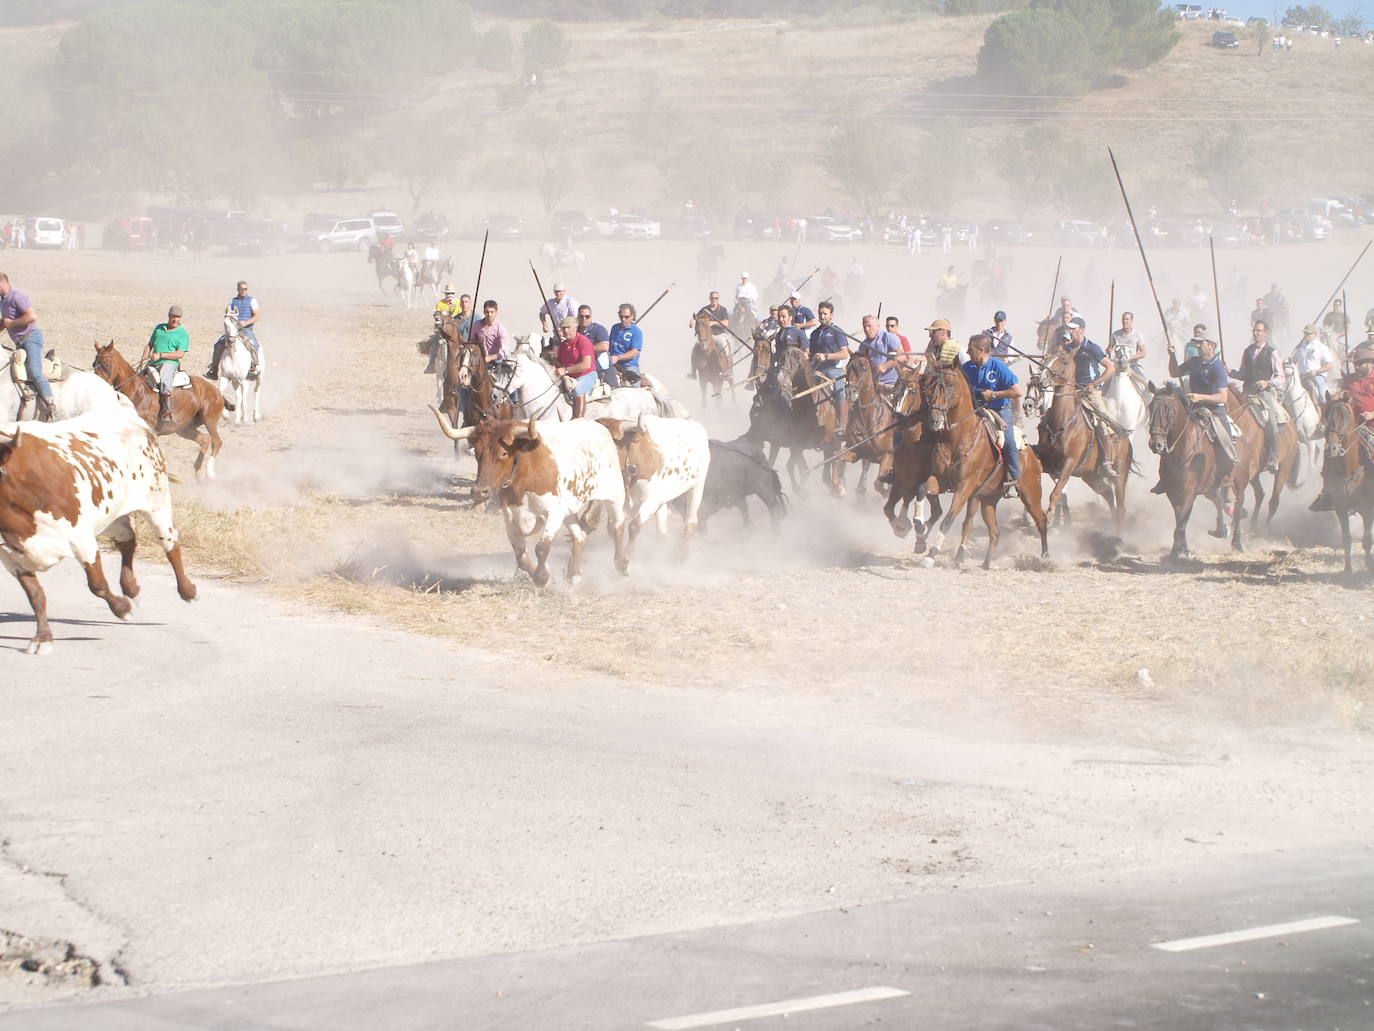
(999, 335)
(1092, 370)
(748, 293)
(942, 351)
(1359, 384)
(802, 316)
(1313, 360)
(448, 304)
(560, 306)
(994, 388)
(168, 344)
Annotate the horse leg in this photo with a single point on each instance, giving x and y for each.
(990, 521)
(1343, 521)
(1029, 489)
(901, 524)
(962, 552)
(1183, 511)
(41, 642)
(1237, 522)
(961, 499)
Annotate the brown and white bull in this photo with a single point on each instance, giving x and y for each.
(548, 476)
(63, 483)
(662, 460)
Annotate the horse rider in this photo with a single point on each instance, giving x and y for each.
(18, 317)
(942, 351)
(787, 335)
(994, 388)
(558, 307)
(894, 326)
(1313, 360)
(1261, 376)
(627, 344)
(600, 338)
(1000, 336)
(1128, 344)
(748, 293)
(168, 344)
(412, 259)
(949, 282)
(244, 308)
(713, 313)
(1335, 325)
(1092, 370)
(1360, 385)
(577, 362)
(1193, 348)
(430, 260)
(448, 305)
(830, 357)
(802, 316)
(770, 324)
(492, 335)
(1208, 387)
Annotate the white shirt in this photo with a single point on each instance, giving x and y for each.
(431, 253)
(1311, 355)
(1127, 343)
(747, 291)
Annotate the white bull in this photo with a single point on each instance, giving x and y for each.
(662, 460)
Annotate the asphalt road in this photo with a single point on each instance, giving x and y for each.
(1075, 956)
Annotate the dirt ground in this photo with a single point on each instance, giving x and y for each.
(346, 498)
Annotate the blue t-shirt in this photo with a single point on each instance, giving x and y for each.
(242, 307)
(881, 349)
(1087, 363)
(596, 333)
(789, 337)
(828, 340)
(1206, 377)
(625, 339)
(803, 314)
(993, 374)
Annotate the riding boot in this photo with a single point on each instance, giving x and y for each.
(164, 409)
(213, 371)
(44, 409)
(842, 426)
(1105, 468)
(252, 370)
(1159, 488)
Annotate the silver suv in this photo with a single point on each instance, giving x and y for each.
(347, 234)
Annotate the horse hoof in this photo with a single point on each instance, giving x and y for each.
(1220, 535)
(927, 563)
(36, 647)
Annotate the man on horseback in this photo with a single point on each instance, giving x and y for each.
(430, 260)
(494, 337)
(627, 343)
(884, 351)
(894, 326)
(412, 259)
(994, 388)
(1360, 386)
(802, 316)
(1313, 360)
(1335, 325)
(770, 325)
(18, 317)
(1000, 336)
(713, 313)
(787, 335)
(747, 293)
(1208, 388)
(168, 344)
(600, 338)
(830, 358)
(942, 351)
(244, 308)
(560, 306)
(448, 304)
(1262, 377)
(576, 361)
(1128, 344)
(1092, 369)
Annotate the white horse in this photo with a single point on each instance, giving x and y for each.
(234, 383)
(432, 274)
(1127, 400)
(76, 393)
(562, 257)
(405, 284)
(542, 399)
(1306, 420)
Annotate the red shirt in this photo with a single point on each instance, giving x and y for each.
(906, 344)
(570, 352)
(1362, 392)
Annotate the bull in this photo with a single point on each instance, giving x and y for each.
(662, 460)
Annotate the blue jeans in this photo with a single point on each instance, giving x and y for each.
(836, 376)
(33, 362)
(247, 333)
(1010, 454)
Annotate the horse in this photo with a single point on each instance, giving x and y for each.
(1347, 479)
(387, 267)
(433, 273)
(1070, 447)
(1126, 397)
(966, 461)
(708, 262)
(1288, 449)
(405, 284)
(712, 363)
(792, 411)
(196, 409)
(871, 419)
(76, 393)
(743, 319)
(1307, 417)
(233, 370)
(532, 380)
(562, 257)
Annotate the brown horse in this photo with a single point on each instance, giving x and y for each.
(911, 459)
(195, 410)
(1190, 465)
(872, 417)
(1069, 447)
(712, 363)
(1287, 446)
(792, 411)
(467, 378)
(1347, 479)
(966, 461)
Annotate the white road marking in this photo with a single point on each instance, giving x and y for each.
(1319, 923)
(774, 1009)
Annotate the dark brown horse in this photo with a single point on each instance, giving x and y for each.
(1347, 478)
(965, 461)
(872, 417)
(712, 363)
(195, 410)
(1190, 464)
(793, 411)
(467, 378)
(1069, 447)
(1287, 447)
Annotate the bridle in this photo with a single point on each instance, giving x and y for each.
(102, 367)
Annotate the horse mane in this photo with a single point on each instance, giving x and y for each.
(791, 363)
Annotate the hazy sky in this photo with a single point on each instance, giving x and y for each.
(1274, 12)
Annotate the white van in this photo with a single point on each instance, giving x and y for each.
(44, 231)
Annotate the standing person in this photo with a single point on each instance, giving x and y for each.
(600, 338)
(1128, 344)
(830, 358)
(494, 337)
(560, 305)
(627, 344)
(1092, 370)
(1313, 360)
(576, 360)
(168, 344)
(999, 335)
(894, 326)
(715, 316)
(1261, 376)
(995, 387)
(18, 317)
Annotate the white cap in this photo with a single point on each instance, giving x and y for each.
(448, 289)
(558, 286)
(744, 275)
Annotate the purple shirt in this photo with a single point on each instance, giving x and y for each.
(14, 304)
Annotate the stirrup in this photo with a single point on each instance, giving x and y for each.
(252, 372)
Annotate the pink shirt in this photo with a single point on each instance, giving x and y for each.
(494, 338)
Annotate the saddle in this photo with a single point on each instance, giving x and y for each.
(53, 369)
(1217, 430)
(181, 379)
(1256, 405)
(997, 428)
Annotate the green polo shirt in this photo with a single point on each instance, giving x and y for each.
(165, 340)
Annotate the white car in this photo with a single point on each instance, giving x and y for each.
(388, 223)
(835, 230)
(629, 227)
(44, 232)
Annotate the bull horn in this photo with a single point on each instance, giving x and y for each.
(447, 427)
(533, 429)
(640, 424)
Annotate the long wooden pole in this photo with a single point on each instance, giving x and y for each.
(1136, 230)
(1049, 312)
(1340, 285)
(1346, 306)
(548, 308)
(477, 290)
(1216, 289)
(655, 304)
(1111, 309)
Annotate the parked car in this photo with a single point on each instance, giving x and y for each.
(45, 232)
(690, 227)
(314, 223)
(568, 223)
(388, 223)
(432, 226)
(134, 233)
(628, 227)
(501, 224)
(258, 236)
(346, 234)
(1225, 40)
(751, 225)
(1078, 233)
(833, 228)
(1006, 230)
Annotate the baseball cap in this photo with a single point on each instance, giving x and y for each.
(569, 321)
(174, 310)
(1077, 321)
(940, 324)
(744, 275)
(999, 316)
(559, 286)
